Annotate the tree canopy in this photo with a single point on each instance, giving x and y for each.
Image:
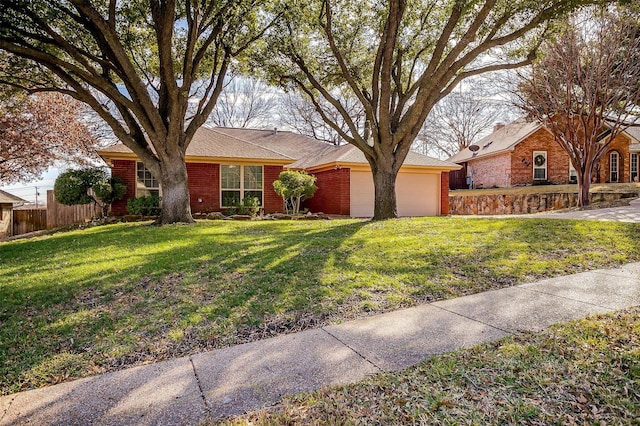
(151, 69)
(398, 58)
(584, 88)
(461, 118)
(38, 131)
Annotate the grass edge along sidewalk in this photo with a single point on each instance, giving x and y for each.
(581, 372)
(81, 303)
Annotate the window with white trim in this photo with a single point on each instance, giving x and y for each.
(573, 175)
(613, 166)
(146, 183)
(634, 167)
(238, 182)
(539, 165)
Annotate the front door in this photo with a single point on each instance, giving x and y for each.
(613, 164)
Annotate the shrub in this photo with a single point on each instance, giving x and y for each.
(295, 187)
(146, 206)
(108, 191)
(72, 186)
(88, 185)
(248, 206)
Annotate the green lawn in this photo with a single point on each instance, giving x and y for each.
(582, 372)
(83, 302)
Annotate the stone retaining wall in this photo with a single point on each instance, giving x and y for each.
(522, 203)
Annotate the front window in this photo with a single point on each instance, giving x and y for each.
(634, 167)
(613, 163)
(146, 183)
(238, 182)
(540, 165)
(573, 176)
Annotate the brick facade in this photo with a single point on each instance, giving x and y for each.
(125, 170)
(516, 167)
(204, 187)
(620, 145)
(522, 159)
(272, 201)
(444, 193)
(333, 194)
(491, 171)
(203, 183)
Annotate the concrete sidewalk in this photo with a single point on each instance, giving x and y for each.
(630, 213)
(233, 380)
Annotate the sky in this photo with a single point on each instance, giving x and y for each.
(27, 191)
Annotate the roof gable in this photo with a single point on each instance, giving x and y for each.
(501, 140)
(6, 198)
(634, 132)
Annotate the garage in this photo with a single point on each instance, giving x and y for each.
(418, 194)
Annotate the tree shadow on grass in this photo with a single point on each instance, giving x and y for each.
(85, 302)
(503, 253)
(81, 303)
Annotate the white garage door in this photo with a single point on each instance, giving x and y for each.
(362, 194)
(417, 194)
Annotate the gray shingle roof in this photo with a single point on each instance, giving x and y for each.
(634, 132)
(6, 198)
(351, 154)
(294, 150)
(210, 142)
(498, 141)
(292, 145)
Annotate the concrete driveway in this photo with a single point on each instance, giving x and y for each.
(630, 213)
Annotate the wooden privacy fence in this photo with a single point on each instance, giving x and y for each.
(458, 178)
(61, 215)
(55, 215)
(25, 221)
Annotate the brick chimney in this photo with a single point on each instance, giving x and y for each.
(499, 125)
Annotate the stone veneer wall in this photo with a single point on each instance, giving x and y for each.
(521, 203)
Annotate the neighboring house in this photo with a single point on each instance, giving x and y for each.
(225, 165)
(7, 203)
(525, 153)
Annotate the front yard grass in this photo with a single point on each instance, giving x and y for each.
(84, 302)
(582, 372)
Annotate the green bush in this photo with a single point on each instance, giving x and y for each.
(295, 187)
(146, 206)
(108, 191)
(72, 186)
(89, 185)
(248, 206)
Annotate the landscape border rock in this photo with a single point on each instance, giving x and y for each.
(498, 204)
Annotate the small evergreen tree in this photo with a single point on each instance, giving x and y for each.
(90, 185)
(109, 190)
(295, 187)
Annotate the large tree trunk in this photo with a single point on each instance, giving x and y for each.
(584, 183)
(176, 207)
(384, 180)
